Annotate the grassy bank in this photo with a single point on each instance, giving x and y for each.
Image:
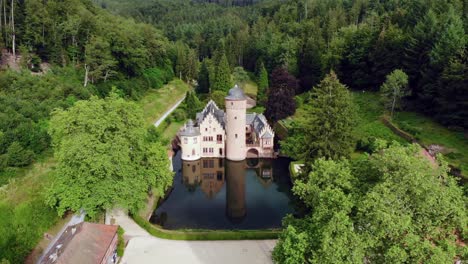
(428, 132)
(369, 122)
(24, 216)
(250, 88)
(157, 101)
(190, 234)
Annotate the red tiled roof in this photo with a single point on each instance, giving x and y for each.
(87, 244)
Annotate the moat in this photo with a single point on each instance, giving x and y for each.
(213, 193)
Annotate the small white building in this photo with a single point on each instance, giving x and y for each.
(234, 134)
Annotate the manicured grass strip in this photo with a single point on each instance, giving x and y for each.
(190, 234)
(157, 101)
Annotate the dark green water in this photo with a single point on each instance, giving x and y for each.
(222, 194)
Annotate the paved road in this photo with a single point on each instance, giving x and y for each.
(168, 112)
(144, 248)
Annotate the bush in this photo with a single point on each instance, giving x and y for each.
(157, 77)
(18, 156)
(179, 115)
(22, 226)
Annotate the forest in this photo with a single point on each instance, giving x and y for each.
(324, 69)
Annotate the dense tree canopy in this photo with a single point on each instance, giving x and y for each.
(104, 159)
(362, 41)
(394, 206)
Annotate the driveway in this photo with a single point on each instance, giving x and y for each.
(144, 248)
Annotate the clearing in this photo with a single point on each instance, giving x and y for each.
(454, 144)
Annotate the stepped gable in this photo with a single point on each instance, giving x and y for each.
(211, 108)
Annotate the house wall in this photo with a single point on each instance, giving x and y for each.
(191, 149)
(210, 128)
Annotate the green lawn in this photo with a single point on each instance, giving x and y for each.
(157, 101)
(195, 234)
(369, 113)
(251, 88)
(428, 132)
(170, 131)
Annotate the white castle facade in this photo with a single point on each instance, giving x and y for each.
(234, 134)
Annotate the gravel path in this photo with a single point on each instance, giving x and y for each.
(168, 112)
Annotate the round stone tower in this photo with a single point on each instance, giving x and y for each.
(236, 104)
(190, 142)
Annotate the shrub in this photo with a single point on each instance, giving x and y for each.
(18, 156)
(179, 115)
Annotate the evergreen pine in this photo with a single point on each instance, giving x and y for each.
(203, 81)
(192, 104)
(222, 75)
(262, 81)
(326, 127)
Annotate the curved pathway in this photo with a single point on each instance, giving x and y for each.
(168, 112)
(144, 248)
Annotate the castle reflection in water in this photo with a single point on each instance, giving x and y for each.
(211, 174)
(214, 193)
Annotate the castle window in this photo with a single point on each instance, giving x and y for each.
(193, 152)
(236, 135)
(235, 117)
(219, 138)
(232, 103)
(206, 129)
(220, 151)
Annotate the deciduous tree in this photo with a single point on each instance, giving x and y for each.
(103, 157)
(394, 88)
(280, 103)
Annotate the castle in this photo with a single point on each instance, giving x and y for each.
(234, 134)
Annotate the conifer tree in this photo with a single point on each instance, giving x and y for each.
(326, 127)
(222, 75)
(192, 104)
(262, 81)
(203, 81)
